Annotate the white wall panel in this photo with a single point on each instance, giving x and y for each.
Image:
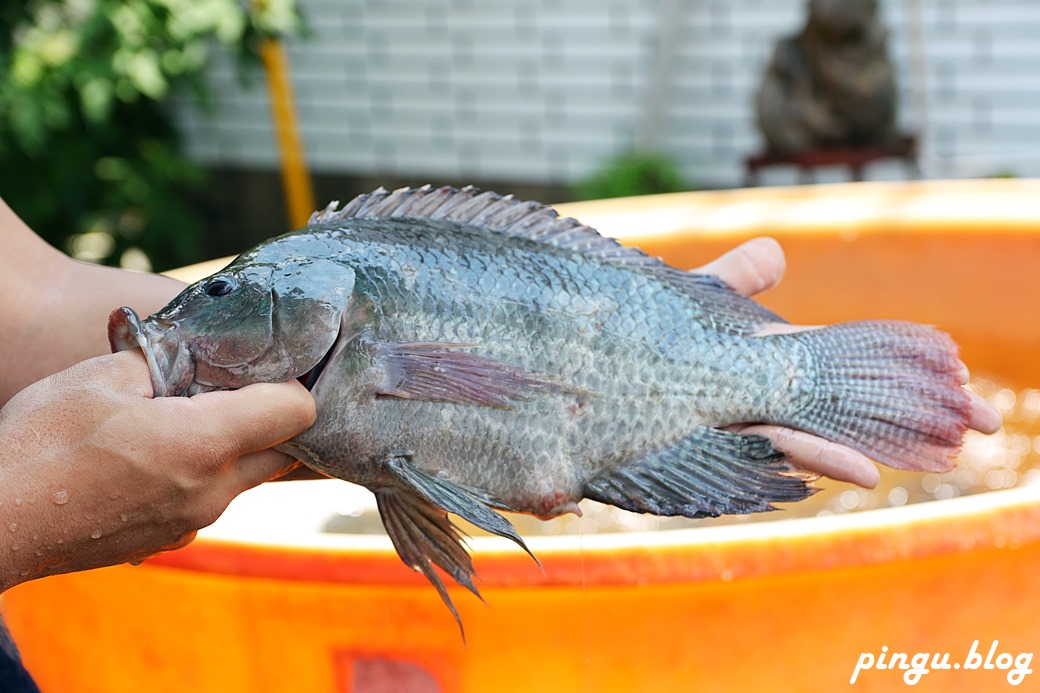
(544, 90)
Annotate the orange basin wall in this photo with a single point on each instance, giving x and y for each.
(789, 612)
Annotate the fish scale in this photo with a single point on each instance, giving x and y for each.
(468, 353)
(407, 316)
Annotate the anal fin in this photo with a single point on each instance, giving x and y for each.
(706, 474)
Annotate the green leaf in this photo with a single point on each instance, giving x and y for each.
(143, 70)
(96, 98)
(634, 173)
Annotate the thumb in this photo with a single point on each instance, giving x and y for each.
(750, 268)
(255, 417)
(256, 468)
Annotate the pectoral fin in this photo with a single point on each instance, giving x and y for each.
(437, 371)
(706, 474)
(416, 518)
(456, 499)
(424, 536)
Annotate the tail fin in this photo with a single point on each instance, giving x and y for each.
(889, 390)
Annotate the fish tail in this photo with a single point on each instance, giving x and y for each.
(888, 389)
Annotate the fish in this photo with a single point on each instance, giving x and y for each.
(470, 353)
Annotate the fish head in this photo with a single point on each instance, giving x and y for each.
(251, 322)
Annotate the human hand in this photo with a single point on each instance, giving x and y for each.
(95, 472)
(758, 265)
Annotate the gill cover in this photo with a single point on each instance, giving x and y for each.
(252, 322)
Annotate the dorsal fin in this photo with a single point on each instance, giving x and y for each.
(728, 310)
(490, 210)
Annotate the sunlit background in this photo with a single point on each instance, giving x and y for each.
(152, 134)
(157, 133)
(140, 132)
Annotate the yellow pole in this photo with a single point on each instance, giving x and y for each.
(299, 196)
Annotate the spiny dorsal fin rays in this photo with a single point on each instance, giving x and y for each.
(488, 210)
(533, 221)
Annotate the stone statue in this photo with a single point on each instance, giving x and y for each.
(832, 84)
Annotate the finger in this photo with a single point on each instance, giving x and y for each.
(256, 468)
(750, 268)
(963, 374)
(126, 371)
(301, 472)
(185, 539)
(983, 416)
(140, 557)
(818, 455)
(256, 417)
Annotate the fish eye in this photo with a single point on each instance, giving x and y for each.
(219, 286)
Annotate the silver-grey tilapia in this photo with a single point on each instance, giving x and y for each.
(471, 353)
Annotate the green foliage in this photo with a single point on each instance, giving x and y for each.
(86, 145)
(631, 174)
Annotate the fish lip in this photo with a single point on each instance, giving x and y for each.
(126, 330)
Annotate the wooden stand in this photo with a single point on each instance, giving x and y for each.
(853, 158)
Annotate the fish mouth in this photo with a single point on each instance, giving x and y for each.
(170, 364)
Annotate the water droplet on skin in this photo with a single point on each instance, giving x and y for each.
(124, 517)
(96, 534)
(13, 527)
(15, 547)
(18, 501)
(59, 540)
(25, 573)
(60, 497)
(137, 562)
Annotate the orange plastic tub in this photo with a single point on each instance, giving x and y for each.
(260, 605)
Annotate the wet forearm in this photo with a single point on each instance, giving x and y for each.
(55, 309)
